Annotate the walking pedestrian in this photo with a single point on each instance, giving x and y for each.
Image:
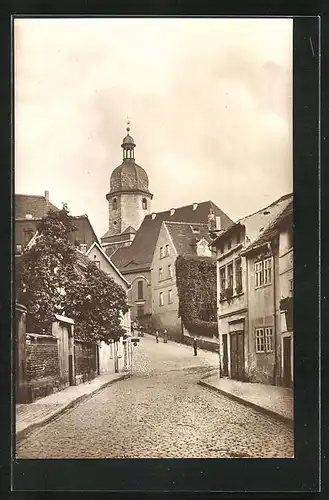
(157, 336)
(165, 336)
(195, 346)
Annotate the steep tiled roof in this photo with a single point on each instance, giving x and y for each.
(36, 206)
(258, 221)
(271, 230)
(129, 230)
(140, 253)
(184, 238)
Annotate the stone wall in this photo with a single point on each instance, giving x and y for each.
(42, 366)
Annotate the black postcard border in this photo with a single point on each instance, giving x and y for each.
(206, 475)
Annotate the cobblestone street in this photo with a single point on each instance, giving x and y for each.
(160, 412)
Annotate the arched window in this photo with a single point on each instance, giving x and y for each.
(144, 203)
(114, 204)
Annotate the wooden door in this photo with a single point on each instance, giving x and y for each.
(234, 355)
(237, 355)
(240, 356)
(63, 354)
(287, 379)
(225, 357)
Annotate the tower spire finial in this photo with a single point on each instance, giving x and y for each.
(128, 125)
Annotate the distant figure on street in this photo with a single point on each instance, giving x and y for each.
(195, 346)
(165, 336)
(157, 336)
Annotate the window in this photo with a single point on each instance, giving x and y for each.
(140, 290)
(222, 278)
(167, 249)
(264, 340)
(114, 204)
(144, 203)
(267, 271)
(260, 343)
(169, 296)
(238, 275)
(258, 274)
(291, 287)
(97, 263)
(230, 275)
(140, 309)
(161, 299)
(28, 233)
(170, 271)
(161, 253)
(268, 339)
(160, 274)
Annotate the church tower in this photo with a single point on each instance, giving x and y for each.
(129, 198)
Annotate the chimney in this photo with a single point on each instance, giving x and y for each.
(218, 223)
(47, 196)
(83, 248)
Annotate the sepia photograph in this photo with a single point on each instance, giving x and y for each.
(153, 206)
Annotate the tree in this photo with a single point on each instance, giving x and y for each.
(43, 270)
(95, 302)
(50, 280)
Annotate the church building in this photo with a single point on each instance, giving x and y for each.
(129, 199)
(133, 232)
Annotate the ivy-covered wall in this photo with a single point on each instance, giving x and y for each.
(197, 288)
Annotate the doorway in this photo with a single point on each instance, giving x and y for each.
(225, 357)
(287, 351)
(237, 355)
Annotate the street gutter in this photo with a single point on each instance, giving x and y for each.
(20, 435)
(271, 413)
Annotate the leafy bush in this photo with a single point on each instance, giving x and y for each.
(197, 292)
(205, 328)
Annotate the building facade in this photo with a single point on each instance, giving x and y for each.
(175, 238)
(247, 288)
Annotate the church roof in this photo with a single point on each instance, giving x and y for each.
(140, 253)
(129, 177)
(185, 236)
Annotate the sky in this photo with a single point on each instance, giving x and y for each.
(209, 101)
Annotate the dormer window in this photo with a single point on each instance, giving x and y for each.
(195, 206)
(115, 204)
(144, 204)
(195, 229)
(172, 211)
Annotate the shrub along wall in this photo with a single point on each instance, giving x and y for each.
(42, 365)
(85, 361)
(197, 292)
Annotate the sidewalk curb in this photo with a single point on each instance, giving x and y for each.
(277, 416)
(25, 432)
